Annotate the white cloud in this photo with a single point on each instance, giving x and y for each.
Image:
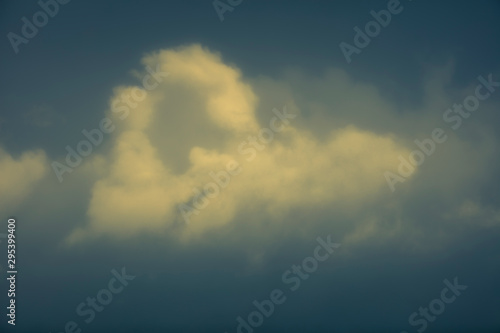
(193, 124)
(19, 176)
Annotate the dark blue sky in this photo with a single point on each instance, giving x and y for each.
(397, 248)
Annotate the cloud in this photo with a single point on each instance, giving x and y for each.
(200, 118)
(473, 213)
(19, 176)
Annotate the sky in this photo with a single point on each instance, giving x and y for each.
(250, 166)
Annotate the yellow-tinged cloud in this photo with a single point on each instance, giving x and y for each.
(18, 176)
(198, 120)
